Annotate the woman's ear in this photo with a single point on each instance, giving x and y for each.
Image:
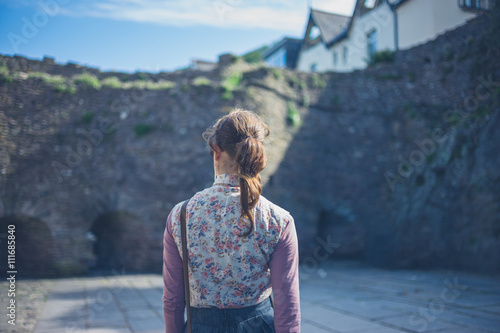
(217, 152)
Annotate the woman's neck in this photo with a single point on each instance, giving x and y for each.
(224, 165)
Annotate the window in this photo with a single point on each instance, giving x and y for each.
(345, 54)
(370, 3)
(335, 58)
(474, 4)
(314, 33)
(372, 43)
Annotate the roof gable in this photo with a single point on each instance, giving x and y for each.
(330, 25)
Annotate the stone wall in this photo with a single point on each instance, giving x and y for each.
(397, 162)
(396, 165)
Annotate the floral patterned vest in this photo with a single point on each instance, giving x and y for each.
(226, 270)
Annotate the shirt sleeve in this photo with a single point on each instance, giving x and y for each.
(173, 282)
(284, 267)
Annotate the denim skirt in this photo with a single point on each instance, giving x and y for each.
(252, 319)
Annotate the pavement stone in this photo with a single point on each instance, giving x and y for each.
(307, 327)
(107, 330)
(375, 309)
(147, 325)
(341, 298)
(340, 322)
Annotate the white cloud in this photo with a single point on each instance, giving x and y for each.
(281, 15)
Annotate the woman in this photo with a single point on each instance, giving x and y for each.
(241, 247)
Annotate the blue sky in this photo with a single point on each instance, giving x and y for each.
(149, 35)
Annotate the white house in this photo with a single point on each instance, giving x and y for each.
(322, 29)
(378, 25)
(440, 16)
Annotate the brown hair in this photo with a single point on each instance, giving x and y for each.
(241, 134)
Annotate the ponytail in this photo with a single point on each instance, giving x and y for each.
(251, 160)
(241, 134)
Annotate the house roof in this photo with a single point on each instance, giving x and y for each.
(276, 46)
(358, 7)
(330, 25)
(334, 27)
(292, 47)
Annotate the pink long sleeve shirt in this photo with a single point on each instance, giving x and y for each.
(226, 270)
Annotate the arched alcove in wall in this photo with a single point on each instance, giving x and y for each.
(121, 242)
(33, 245)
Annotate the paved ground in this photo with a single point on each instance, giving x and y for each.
(343, 297)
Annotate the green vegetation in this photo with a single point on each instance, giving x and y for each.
(306, 99)
(430, 158)
(229, 84)
(149, 85)
(303, 84)
(60, 83)
(4, 73)
(496, 93)
(141, 76)
(447, 53)
(87, 80)
(233, 81)
(455, 119)
(277, 73)
(143, 129)
(112, 82)
(293, 79)
(255, 56)
(410, 110)
(318, 81)
(87, 117)
(336, 100)
(293, 115)
(201, 81)
(494, 15)
(481, 113)
(381, 56)
(227, 95)
(69, 88)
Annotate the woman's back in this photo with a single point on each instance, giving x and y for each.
(227, 270)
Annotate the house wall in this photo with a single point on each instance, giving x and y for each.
(380, 19)
(278, 59)
(418, 22)
(342, 65)
(317, 54)
(422, 20)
